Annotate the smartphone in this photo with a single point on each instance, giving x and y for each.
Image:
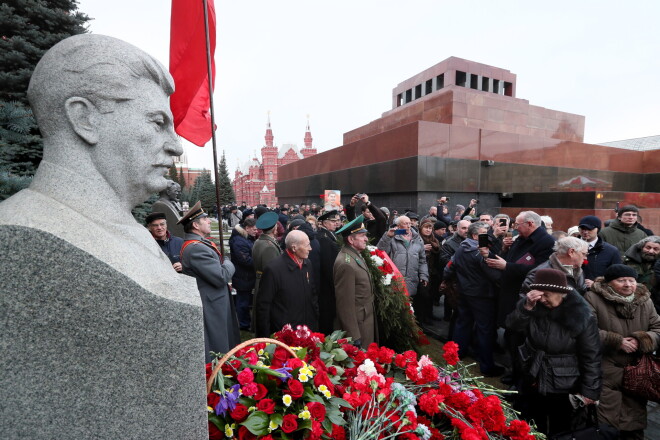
(483, 240)
(400, 231)
(502, 222)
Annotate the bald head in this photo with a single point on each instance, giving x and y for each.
(462, 228)
(297, 242)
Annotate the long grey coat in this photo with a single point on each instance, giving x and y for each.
(199, 260)
(410, 260)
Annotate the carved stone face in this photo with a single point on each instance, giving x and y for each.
(137, 142)
(173, 191)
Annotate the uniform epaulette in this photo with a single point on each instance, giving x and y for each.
(348, 258)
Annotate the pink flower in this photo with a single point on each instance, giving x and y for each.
(246, 376)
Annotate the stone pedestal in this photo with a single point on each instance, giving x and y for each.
(85, 352)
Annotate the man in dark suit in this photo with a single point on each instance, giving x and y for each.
(202, 260)
(328, 224)
(354, 287)
(286, 291)
(532, 247)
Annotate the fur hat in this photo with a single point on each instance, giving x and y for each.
(551, 280)
(619, 271)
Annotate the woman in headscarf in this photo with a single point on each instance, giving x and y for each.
(629, 326)
(561, 354)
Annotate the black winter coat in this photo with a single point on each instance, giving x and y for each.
(475, 278)
(562, 352)
(286, 296)
(376, 227)
(327, 305)
(524, 255)
(314, 254)
(240, 248)
(600, 257)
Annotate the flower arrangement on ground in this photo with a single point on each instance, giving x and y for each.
(333, 390)
(392, 302)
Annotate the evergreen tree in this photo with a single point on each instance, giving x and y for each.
(11, 183)
(204, 191)
(29, 29)
(16, 123)
(174, 176)
(141, 211)
(226, 190)
(182, 178)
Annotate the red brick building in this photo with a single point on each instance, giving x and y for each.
(254, 182)
(189, 175)
(458, 129)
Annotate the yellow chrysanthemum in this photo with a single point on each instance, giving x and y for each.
(286, 399)
(272, 426)
(305, 415)
(260, 364)
(303, 377)
(261, 352)
(327, 394)
(229, 429)
(306, 371)
(252, 409)
(209, 409)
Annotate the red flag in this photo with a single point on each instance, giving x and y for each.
(190, 102)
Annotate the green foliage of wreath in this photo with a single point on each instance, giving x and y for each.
(397, 327)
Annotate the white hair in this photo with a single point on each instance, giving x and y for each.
(563, 245)
(400, 218)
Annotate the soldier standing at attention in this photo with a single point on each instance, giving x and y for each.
(354, 287)
(265, 249)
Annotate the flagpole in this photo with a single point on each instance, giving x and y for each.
(215, 150)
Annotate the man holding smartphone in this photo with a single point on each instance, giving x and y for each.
(477, 297)
(375, 220)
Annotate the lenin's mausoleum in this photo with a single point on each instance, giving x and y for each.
(458, 129)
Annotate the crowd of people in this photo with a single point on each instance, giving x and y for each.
(575, 306)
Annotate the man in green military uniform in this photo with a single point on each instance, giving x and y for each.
(265, 250)
(354, 286)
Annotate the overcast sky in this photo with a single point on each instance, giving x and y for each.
(338, 61)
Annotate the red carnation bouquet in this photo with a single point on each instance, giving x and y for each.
(331, 389)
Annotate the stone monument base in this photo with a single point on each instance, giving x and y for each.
(85, 352)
